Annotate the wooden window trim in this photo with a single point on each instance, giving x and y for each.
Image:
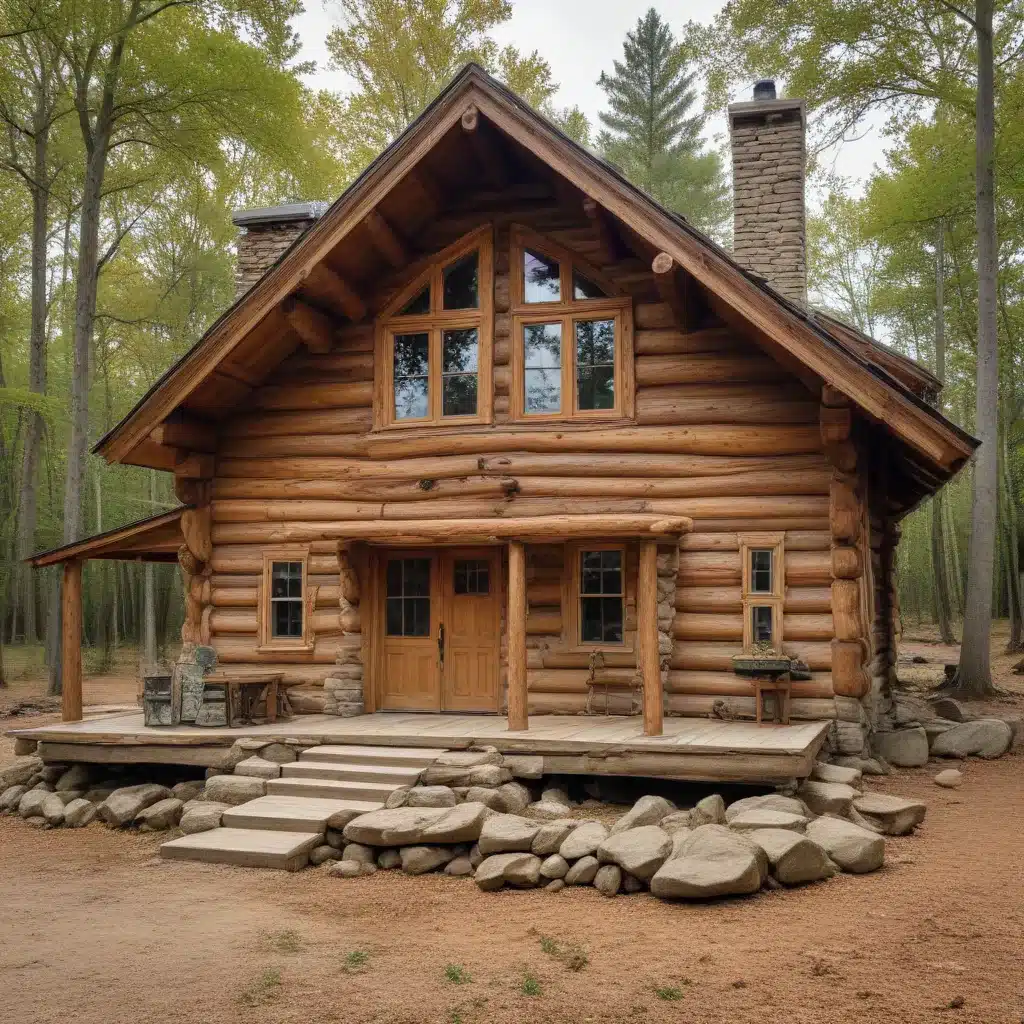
(571, 594)
(568, 311)
(776, 599)
(390, 323)
(267, 642)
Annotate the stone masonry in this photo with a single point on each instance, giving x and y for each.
(266, 234)
(769, 223)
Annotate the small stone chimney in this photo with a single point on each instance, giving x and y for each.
(769, 222)
(266, 233)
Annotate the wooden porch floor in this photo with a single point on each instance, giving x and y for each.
(693, 749)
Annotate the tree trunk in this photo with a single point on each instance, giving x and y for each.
(1015, 598)
(974, 677)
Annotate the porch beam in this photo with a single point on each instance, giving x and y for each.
(518, 719)
(71, 641)
(647, 638)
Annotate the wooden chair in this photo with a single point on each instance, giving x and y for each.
(635, 686)
(780, 690)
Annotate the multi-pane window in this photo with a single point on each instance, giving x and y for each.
(471, 576)
(761, 623)
(407, 597)
(761, 570)
(286, 599)
(435, 341)
(602, 597)
(763, 588)
(542, 367)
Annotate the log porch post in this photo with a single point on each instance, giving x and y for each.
(647, 637)
(516, 624)
(71, 642)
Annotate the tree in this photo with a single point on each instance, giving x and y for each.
(649, 130)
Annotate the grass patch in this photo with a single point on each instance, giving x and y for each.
(287, 941)
(457, 974)
(355, 960)
(530, 985)
(572, 954)
(670, 993)
(265, 989)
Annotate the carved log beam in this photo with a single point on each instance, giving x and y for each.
(343, 298)
(610, 248)
(314, 328)
(429, 189)
(386, 240)
(186, 433)
(665, 280)
(486, 155)
(194, 465)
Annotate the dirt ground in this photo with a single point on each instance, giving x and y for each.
(94, 927)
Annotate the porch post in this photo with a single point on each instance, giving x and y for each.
(71, 641)
(647, 637)
(518, 719)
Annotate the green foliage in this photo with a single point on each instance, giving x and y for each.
(669, 993)
(356, 959)
(264, 989)
(530, 986)
(457, 975)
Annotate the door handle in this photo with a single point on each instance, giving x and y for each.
(440, 642)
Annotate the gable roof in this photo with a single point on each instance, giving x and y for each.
(814, 345)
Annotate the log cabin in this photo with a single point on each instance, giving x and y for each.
(496, 433)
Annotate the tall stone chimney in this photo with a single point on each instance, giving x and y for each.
(266, 233)
(768, 156)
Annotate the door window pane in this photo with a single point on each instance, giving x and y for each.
(286, 599)
(461, 283)
(471, 576)
(761, 571)
(761, 623)
(412, 387)
(418, 304)
(595, 364)
(584, 288)
(541, 278)
(542, 362)
(601, 597)
(407, 598)
(460, 353)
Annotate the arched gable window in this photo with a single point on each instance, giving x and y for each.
(434, 340)
(572, 351)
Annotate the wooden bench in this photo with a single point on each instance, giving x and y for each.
(247, 692)
(635, 686)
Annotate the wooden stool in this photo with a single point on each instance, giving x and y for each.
(780, 689)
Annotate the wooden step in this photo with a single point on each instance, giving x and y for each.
(245, 847)
(406, 757)
(384, 773)
(291, 813)
(330, 789)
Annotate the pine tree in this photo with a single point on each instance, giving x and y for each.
(650, 132)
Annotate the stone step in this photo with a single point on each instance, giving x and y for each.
(292, 813)
(245, 847)
(331, 789)
(406, 757)
(384, 773)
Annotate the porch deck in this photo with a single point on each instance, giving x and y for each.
(690, 748)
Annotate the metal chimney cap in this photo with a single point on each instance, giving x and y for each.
(764, 89)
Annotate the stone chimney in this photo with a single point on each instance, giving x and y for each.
(266, 233)
(768, 156)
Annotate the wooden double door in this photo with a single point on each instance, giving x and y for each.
(440, 625)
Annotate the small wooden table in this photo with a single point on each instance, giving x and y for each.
(249, 691)
(780, 689)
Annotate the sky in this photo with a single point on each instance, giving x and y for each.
(580, 39)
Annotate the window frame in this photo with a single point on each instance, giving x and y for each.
(434, 323)
(267, 641)
(775, 598)
(568, 311)
(572, 596)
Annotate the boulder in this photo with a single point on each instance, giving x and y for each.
(547, 810)
(475, 856)
(556, 795)
(551, 835)
(162, 815)
(836, 773)
(469, 758)
(853, 848)
(50, 807)
(460, 824)
(459, 866)
(648, 810)
(98, 794)
(488, 797)
(555, 885)
(794, 859)
(583, 871)
(44, 787)
(525, 766)
(506, 833)
(490, 775)
(514, 795)
(893, 815)
(18, 773)
(827, 797)
(583, 840)
(609, 878)
(23, 746)
(709, 811)
(344, 868)
(948, 708)
(865, 765)
(190, 790)
(279, 753)
(399, 826)
(418, 860)
(495, 870)
(79, 813)
(322, 854)
(907, 748)
(339, 819)
(639, 851)
(948, 778)
(524, 872)
(77, 776)
(759, 817)
(67, 795)
(125, 805)
(201, 816)
(358, 852)
(985, 737)
(631, 884)
(398, 797)
(430, 796)
(11, 797)
(234, 789)
(555, 866)
(258, 768)
(768, 802)
(389, 859)
(712, 861)
(52, 772)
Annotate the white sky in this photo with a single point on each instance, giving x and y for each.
(580, 39)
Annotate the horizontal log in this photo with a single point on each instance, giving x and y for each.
(708, 369)
(776, 524)
(653, 315)
(803, 626)
(684, 705)
(808, 540)
(808, 568)
(275, 426)
(707, 626)
(708, 568)
(696, 403)
(247, 596)
(693, 655)
(728, 684)
(313, 396)
(285, 511)
(248, 558)
(236, 650)
(670, 341)
(796, 540)
(368, 489)
(846, 563)
(244, 620)
(544, 621)
(580, 659)
(709, 599)
(543, 592)
(808, 600)
(575, 680)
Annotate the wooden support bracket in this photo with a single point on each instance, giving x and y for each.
(342, 296)
(609, 247)
(386, 240)
(314, 328)
(664, 269)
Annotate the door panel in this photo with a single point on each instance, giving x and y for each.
(471, 616)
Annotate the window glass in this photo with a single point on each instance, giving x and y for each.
(761, 571)
(601, 597)
(286, 599)
(459, 357)
(412, 387)
(418, 304)
(542, 367)
(471, 576)
(407, 600)
(584, 288)
(461, 283)
(595, 364)
(761, 623)
(541, 278)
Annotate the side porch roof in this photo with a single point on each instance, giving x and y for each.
(155, 539)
